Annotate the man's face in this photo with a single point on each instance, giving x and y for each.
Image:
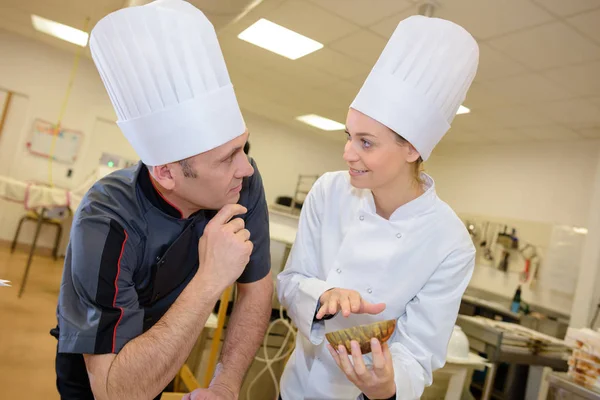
(213, 179)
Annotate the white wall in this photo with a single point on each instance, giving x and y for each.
(40, 73)
(533, 183)
(281, 155)
(544, 182)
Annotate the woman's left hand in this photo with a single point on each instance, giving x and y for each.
(375, 383)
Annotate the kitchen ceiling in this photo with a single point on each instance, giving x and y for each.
(538, 80)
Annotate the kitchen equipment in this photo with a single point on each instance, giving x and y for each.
(472, 229)
(488, 252)
(458, 347)
(517, 348)
(363, 334)
(484, 234)
(525, 273)
(529, 253)
(516, 302)
(505, 239)
(515, 239)
(503, 265)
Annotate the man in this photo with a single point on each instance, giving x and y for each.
(149, 253)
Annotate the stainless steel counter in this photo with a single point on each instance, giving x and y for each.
(519, 347)
(492, 306)
(489, 305)
(504, 303)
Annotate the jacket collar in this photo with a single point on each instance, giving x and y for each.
(416, 207)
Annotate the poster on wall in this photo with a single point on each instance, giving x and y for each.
(63, 147)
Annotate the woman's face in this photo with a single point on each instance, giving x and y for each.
(374, 155)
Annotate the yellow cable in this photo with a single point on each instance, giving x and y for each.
(63, 107)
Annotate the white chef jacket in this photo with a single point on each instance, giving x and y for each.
(419, 262)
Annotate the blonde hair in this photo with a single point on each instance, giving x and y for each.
(418, 168)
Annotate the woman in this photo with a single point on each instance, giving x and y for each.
(376, 242)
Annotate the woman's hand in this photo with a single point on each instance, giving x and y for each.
(349, 301)
(375, 383)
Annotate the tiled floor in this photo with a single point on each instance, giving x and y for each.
(26, 347)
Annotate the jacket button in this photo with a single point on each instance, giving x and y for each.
(369, 290)
(361, 218)
(398, 235)
(339, 270)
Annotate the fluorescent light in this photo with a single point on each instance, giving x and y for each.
(581, 231)
(280, 40)
(60, 31)
(462, 110)
(321, 122)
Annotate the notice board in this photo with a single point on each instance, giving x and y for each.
(66, 143)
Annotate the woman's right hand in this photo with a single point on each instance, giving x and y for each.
(348, 301)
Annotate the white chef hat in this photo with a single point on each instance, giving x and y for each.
(420, 80)
(166, 77)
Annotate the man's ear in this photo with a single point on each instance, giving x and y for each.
(163, 174)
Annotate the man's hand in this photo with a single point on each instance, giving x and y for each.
(225, 247)
(349, 301)
(245, 333)
(375, 383)
(212, 393)
(147, 363)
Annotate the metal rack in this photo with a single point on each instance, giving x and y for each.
(520, 347)
(303, 186)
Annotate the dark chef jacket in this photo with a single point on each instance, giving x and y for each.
(129, 257)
